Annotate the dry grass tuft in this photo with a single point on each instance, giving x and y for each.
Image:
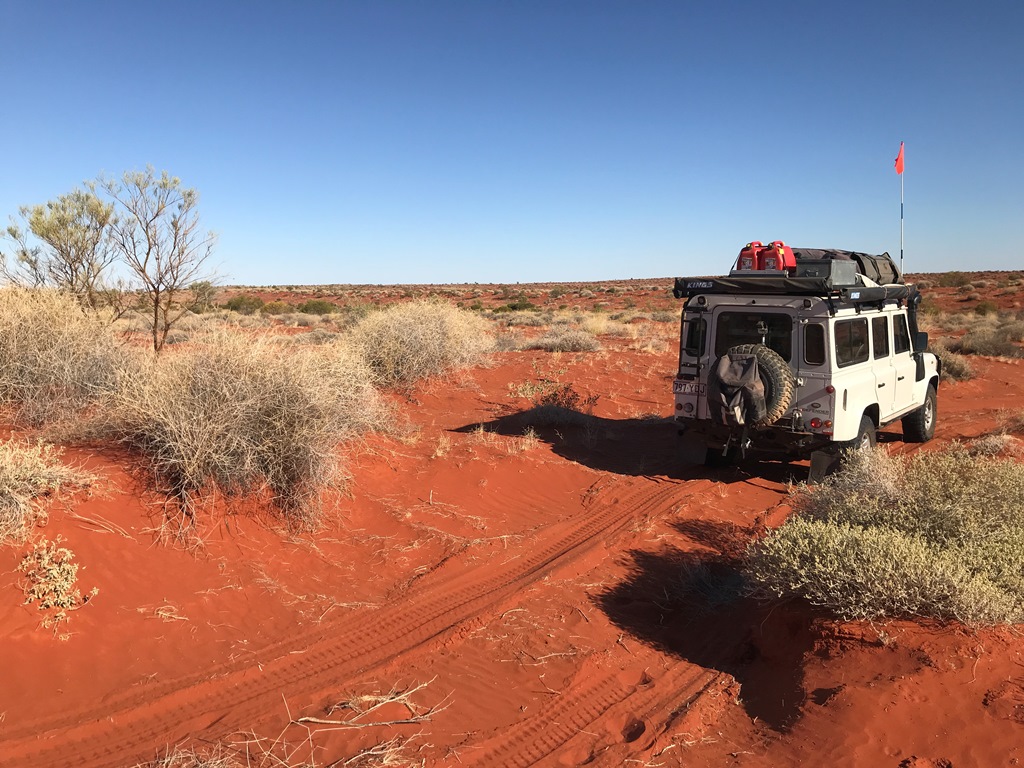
(561, 339)
(242, 415)
(28, 472)
(419, 339)
(55, 358)
(933, 534)
(954, 366)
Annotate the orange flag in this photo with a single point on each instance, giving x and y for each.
(899, 160)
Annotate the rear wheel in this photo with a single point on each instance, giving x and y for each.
(919, 426)
(867, 435)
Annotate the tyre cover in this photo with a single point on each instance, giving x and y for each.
(735, 390)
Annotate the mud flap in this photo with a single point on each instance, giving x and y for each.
(823, 464)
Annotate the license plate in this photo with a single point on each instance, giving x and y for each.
(687, 387)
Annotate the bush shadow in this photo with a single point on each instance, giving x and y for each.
(693, 605)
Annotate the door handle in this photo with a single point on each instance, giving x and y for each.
(881, 385)
(900, 378)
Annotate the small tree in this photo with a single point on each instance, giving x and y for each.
(203, 294)
(158, 236)
(75, 252)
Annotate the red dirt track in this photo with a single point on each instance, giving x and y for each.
(560, 597)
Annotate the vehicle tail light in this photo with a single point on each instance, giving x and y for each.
(830, 389)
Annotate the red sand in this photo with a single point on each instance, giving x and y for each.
(534, 586)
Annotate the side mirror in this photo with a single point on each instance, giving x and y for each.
(920, 341)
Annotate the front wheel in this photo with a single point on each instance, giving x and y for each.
(919, 426)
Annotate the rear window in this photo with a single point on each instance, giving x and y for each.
(851, 341)
(773, 329)
(814, 344)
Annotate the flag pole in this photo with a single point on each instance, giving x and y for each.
(899, 171)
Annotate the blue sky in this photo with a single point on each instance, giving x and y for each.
(516, 141)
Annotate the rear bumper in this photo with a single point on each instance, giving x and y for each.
(779, 438)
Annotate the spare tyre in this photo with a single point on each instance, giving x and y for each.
(774, 372)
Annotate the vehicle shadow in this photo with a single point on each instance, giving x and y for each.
(693, 605)
(636, 447)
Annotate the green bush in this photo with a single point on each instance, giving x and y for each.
(55, 359)
(414, 340)
(317, 307)
(245, 415)
(244, 304)
(275, 308)
(934, 534)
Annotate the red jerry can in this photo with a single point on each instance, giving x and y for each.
(750, 256)
(777, 256)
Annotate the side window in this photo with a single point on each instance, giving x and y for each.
(901, 336)
(694, 334)
(814, 344)
(851, 341)
(880, 336)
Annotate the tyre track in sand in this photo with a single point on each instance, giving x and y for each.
(590, 723)
(134, 724)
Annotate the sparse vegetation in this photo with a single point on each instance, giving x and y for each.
(239, 415)
(954, 366)
(55, 358)
(51, 581)
(317, 307)
(27, 473)
(566, 340)
(244, 304)
(990, 342)
(934, 534)
(415, 340)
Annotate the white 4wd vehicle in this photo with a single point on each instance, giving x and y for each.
(802, 360)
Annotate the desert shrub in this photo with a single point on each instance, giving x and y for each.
(994, 445)
(526, 319)
(275, 308)
(301, 320)
(519, 304)
(954, 366)
(317, 307)
(244, 304)
(1012, 421)
(559, 405)
(566, 340)
(415, 340)
(987, 342)
(952, 279)
(51, 582)
(55, 359)
(243, 415)
(665, 317)
(934, 534)
(27, 473)
(986, 307)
